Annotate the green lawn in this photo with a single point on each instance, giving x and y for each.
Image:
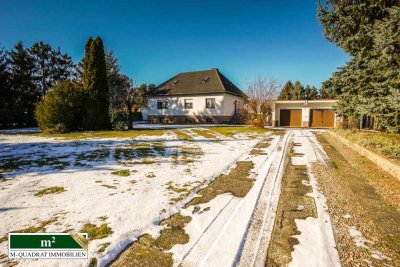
(385, 144)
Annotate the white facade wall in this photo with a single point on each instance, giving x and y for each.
(224, 105)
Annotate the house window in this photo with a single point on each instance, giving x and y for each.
(162, 104)
(188, 103)
(210, 102)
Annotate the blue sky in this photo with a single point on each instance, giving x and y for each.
(155, 39)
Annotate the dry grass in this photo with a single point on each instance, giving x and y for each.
(96, 232)
(182, 135)
(231, 131)
(103, 247)
(236, 182)
(148, 251)
(181, 192)
(293, 194)
(257, 150)
(50, 190)
(385, 144)
(109, 186)
(103, 134)
(204, 133)
(144, 253)
(32, 229)
(122, 173)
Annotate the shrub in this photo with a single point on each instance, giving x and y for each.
(120, 121)
(61, 110)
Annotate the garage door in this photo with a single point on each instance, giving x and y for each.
(290, 117)
(322, 118)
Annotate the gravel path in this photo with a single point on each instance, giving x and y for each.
(363, 203)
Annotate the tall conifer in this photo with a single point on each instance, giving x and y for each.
(95, 84)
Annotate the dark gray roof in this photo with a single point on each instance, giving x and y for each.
(196, 82)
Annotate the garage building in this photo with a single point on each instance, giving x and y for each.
(304, 113)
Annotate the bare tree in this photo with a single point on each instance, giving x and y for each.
(261, 92)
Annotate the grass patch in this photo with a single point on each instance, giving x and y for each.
(151, 175)
(235, 182)
(231, 131)
(96, 232)
(182, 135)
(148, 251)
(122, 173)
(99, 154)
(147, 161)
(32, 229)
(182, 192)
(50, 190)
(103, 247)
(14, 164)
(140, 150)
(93, 262)
(204, 133)
(385, 144)
(103, 218)
(144, 252)
(109, 186)
(103, 134)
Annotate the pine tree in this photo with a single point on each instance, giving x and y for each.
(96, 86)
(23, 91)
(314, 93)
(51, 65)
(298, 91)
(5, 93)
(286, 92)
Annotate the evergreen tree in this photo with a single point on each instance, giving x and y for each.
(61, 109)
(286, 92)
(314, 93)
(5, 93)
(51, 65)
(298, 91)
(96, 85)
(23, 91)
(366, 86)
(120, 87)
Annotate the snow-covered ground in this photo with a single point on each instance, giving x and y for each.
(130, 205)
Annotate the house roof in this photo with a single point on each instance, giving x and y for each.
(196, 82)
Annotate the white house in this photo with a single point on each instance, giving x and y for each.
(195, 97)
(317, 113)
